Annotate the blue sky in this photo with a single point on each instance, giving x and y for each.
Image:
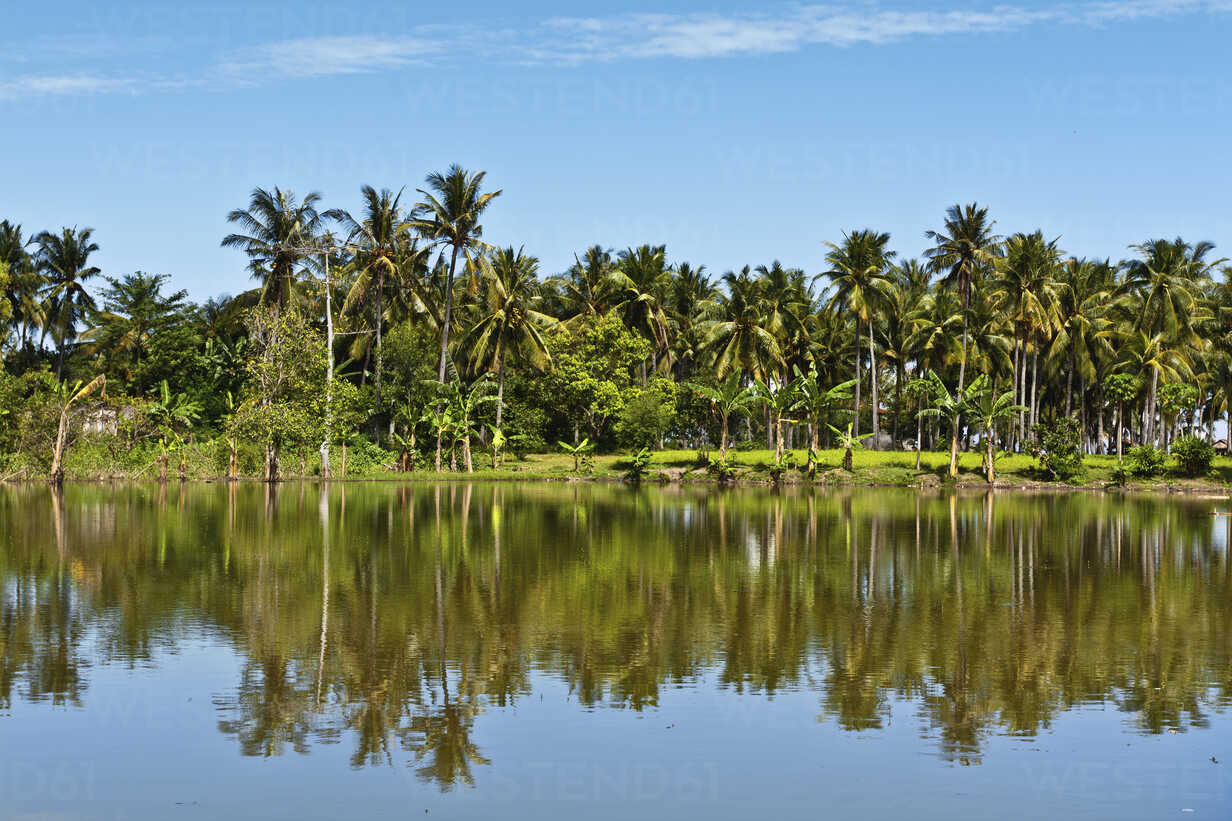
(736, 133)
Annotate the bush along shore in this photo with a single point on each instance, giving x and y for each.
(395, 339)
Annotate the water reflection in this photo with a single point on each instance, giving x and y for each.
(390, 618)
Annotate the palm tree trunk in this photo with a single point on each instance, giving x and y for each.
(380, 359)
(1120, 423)
(1069, 386)
(453, 262)
(1035, 386)
(855, 415)
(919, 437)
(872, 373)
(500, 389)
(439, 433)
(723, 441)
(898, 401)
(962, 376)
(1099, 436)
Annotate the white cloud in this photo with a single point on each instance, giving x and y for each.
(325, 56)
(572, 40)
(42, 85)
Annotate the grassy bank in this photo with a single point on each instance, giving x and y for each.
(93, 461)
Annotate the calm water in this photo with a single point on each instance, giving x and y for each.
(546, 651)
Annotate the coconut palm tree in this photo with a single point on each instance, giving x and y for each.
(858, 275)
(1024, 290)
(64, 260)
(691, 299)
(134, 310)
(509, 323)
(277, 232)
(449, 214)
(639, 283)
(379, 237)
(738, 335)
(962, 252)
(586, 288)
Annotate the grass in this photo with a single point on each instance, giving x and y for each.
(92, 460)
(869, 467)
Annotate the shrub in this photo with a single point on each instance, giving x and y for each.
(1193, 455)
(639, 465)
(1146, 461)
(1058, 448)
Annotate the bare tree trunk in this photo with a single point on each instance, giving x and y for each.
(872, 373)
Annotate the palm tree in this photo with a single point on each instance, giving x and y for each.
(509, 321)
(640, 280)
(279, 231)
(587, 286)
(1025, 291)
(738, 335)
(450, 214)
(857, 273)
(691, 299)
(134, 310)
(1151, 357)
(962, 252)
(379, 237)
(726, 398)
(64, 260)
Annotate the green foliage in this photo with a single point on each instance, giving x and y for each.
(1193, 455)
(578, 452)
(1146, 461)
(647, 414)
(639, 465)
(1059, 448)
(721, 469)
(1121, 387)
(593, 373)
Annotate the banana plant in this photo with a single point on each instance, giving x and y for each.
(71, 397)
(577, 451)
(848, 443)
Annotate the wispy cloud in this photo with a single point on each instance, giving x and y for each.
(45, 85)
(326, 56)
(717, 35)
(574, 40)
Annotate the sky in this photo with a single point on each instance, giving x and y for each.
(736, 133)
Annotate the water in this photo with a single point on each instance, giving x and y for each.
(535, 651)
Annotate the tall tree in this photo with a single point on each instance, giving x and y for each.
(277, 231)
(509, 324)
(963, 251)
(378, 237)
(64, 259)
(449, 214)
(857, 273)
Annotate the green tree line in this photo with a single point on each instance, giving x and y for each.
(398, 335)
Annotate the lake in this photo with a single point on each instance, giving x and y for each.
(597, 651)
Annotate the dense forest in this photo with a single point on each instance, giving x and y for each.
(397, 337)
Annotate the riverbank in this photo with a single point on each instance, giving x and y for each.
(747, 467)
